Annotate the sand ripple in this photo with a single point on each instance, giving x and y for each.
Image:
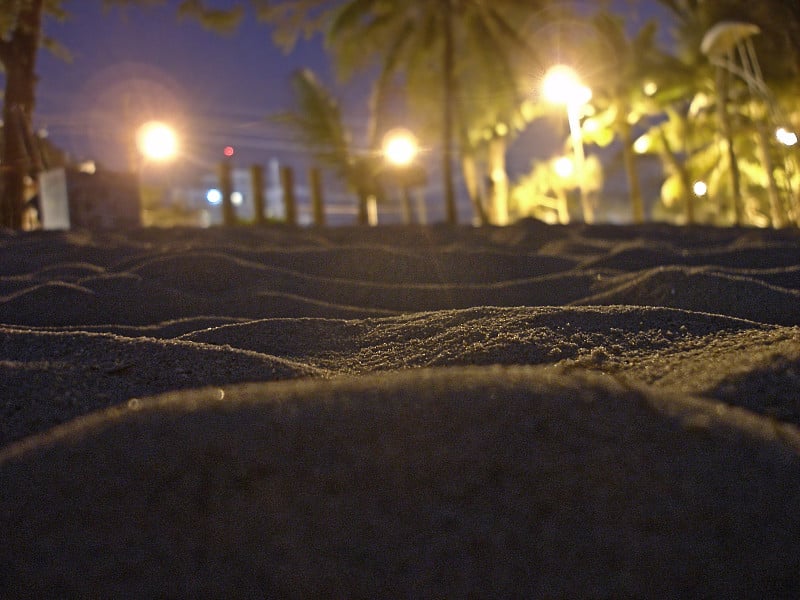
(527, 411)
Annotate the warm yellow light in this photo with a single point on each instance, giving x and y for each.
(400, 147)
(561, 85)
(642, 144)
(650, 87)
(564, 167)
(157, 141)
(786, 137)
(700, 188)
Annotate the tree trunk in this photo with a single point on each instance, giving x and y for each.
(18, 55)
(775, 203)
(499, 178)
(470, 169)
(629, 158)
(688, 194)
(448, 67)
(727, 133)
(377, 103)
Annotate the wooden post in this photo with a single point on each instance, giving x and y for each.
(226, 189)
(287, 183)
(317, 204)
(408, 215)
(257, 183)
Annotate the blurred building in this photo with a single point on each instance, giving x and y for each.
(70, 198)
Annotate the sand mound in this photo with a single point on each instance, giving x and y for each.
(479, 481)
(527, 411)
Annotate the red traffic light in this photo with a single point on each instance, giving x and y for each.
(228, 151)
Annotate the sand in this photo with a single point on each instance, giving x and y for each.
(530, 411)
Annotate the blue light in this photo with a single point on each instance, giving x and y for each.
(214, 196)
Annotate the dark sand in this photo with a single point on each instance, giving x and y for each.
(529, 411)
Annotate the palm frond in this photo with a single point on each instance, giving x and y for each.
(317, 122)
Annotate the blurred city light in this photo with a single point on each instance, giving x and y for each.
(214, 196)
(400, 147)
(228, 151)
(157, 141)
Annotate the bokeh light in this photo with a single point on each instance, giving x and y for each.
(157, 141)
(214, 196)
(400, 147)
(564, 167)
(561, 85)
(786, 137)
(700, 188)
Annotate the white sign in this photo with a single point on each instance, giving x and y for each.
(53, 199)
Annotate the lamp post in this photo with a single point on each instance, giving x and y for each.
(562, 86)
(400, 150)
(156, 142)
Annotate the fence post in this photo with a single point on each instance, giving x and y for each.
(226, 189)
(257, 182)
(287, 183)
(317, 203)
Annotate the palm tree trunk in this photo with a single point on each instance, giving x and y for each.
(671, 159)
(362, 215)
(377, 104)
(727, 133)
(470, 169)
(629, 158)
(448, 68)
(499, 178)
(776, 210)
(18, 56)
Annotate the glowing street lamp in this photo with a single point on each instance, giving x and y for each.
(157, 141)
(400, 147)
(400, 150)
(562, 86)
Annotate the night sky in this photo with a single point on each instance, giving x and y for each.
(128, 66)
(138, 64)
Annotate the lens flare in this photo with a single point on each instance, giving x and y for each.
(157, 141)
(400, 147)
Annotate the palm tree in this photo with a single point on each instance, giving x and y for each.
(621, 72)
(423, 42)
(317, 123)
(21, 37)
(778, 48)
(22, 29)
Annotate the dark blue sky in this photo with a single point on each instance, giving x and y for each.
(137, 64)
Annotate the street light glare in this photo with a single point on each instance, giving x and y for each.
(157, 141)
(562, 86)
(400, 147)
(564, 167)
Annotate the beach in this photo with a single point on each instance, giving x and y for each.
(400, 411)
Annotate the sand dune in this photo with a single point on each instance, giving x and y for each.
(527, 411)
